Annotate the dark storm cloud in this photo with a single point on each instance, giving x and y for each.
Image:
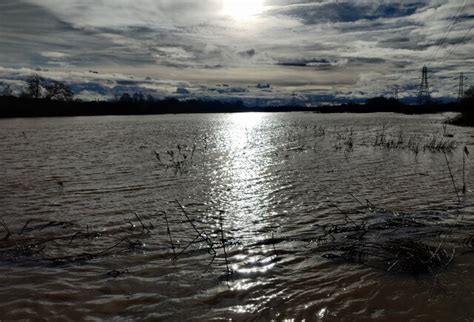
(248, 53)
(315, 12)
(321, 62)
(327, 63)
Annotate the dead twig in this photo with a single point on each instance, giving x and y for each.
(223, 246)
(203, 235)
(144, 228)
(452, 177)
(7, 230)
(168, 231)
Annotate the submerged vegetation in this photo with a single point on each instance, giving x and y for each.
(347, 139)
(412, 243)
(178, 159)
(68, 242)
(413, 142)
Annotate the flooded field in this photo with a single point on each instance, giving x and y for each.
(233, 216)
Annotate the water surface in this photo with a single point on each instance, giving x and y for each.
(272, 178)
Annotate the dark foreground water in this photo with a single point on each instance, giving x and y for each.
(271, 180)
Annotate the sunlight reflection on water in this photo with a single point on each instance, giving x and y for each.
(244, 166)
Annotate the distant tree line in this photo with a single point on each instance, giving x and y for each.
(39, 88)
(5, 89)
(137, 98)
(467, 116)
(46, 97)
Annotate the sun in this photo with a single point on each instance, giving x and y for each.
(242, 9)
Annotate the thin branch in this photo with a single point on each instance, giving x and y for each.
(168, 230)
(452, 177)
(223, 245)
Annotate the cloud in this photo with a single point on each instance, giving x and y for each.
(316, 12)
(315, 62)
(182, 91)
(296, 45)
(53, 54)
(248, 53)
(84, 84)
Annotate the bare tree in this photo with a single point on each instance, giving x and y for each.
(34, 86)
(58, 91)
(150, 99)
(125, 98)
(138, 97)
(469, 93)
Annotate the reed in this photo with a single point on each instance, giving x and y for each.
(200, 234)
(465, 154)
(228, 272)
(179, 159)
(452, 178)
(397, 243)
(168, 231)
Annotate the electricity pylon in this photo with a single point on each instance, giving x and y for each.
(462, 78)
(424, 93)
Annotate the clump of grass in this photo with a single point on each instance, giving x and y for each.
(414, 143)
(387, 141)
(344, 139)
(319, 131)
(179, 159)
(349, 140)
(397, 243)
(380, 137)
(401, 256)
(440, 144)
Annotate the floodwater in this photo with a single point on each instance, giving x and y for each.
(268, 180)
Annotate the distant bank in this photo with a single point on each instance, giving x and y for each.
(13, 107)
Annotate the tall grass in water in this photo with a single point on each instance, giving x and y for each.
(178, 159)
(414, 143)
(465, 153)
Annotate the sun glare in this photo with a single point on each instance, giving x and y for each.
(242, 9)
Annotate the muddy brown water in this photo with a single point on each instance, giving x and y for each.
(273, 177)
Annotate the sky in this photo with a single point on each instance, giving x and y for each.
(316, 51)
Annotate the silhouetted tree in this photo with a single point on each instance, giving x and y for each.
(469, 93)
(150, 99)
(5, 89)
(381, 101)
(138, 97)
(34, 86)
(58, 91)
(125, 98)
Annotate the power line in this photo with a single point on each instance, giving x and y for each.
(451, 52)
(450, 28)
